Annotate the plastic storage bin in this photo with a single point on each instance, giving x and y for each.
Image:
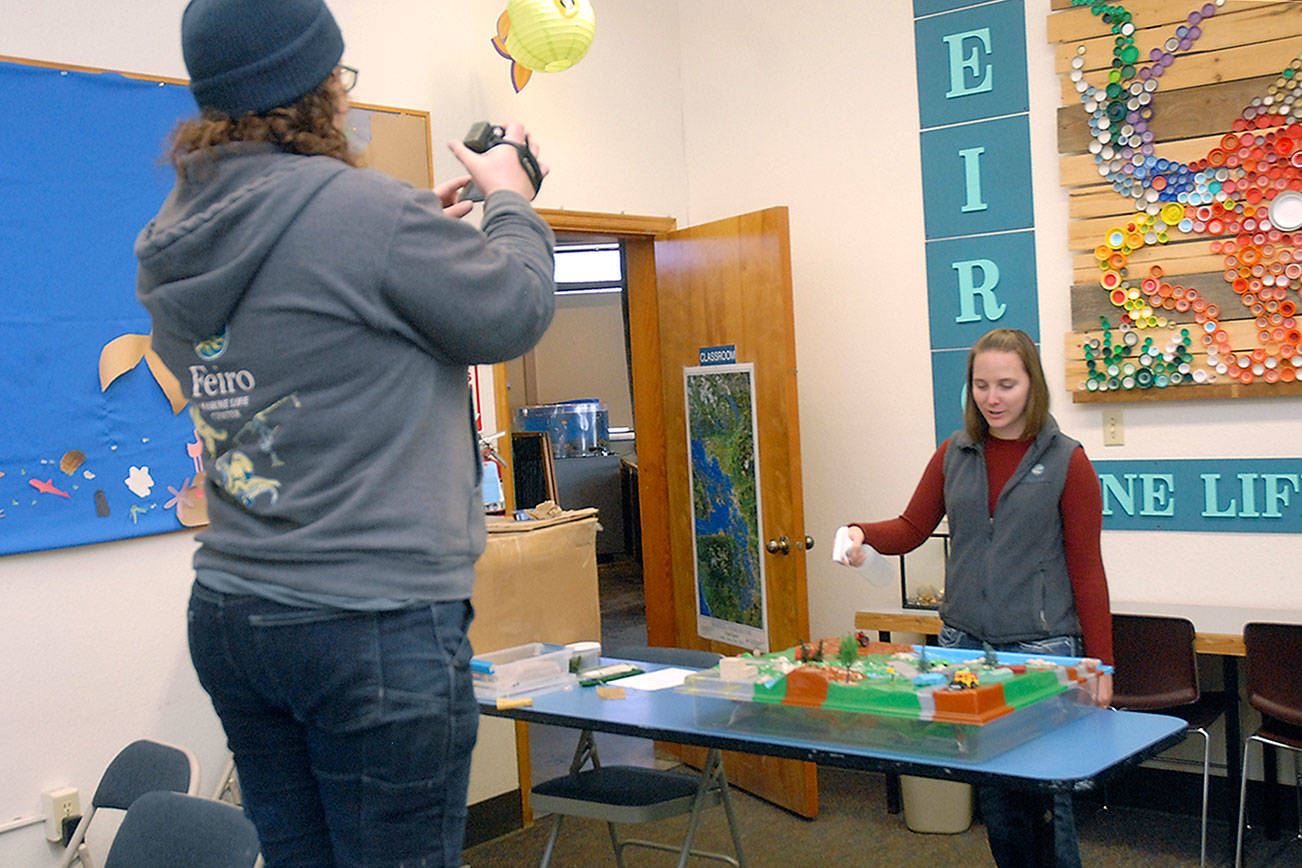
(522, 669)
(905, 734)
(936, 806)
(575, 428)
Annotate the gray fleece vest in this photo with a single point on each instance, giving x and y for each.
(1006, 579)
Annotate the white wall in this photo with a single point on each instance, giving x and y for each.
(816, 108)
(582, 355)
(693, 110)
(92, 648)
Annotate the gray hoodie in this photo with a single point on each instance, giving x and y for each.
(321, 319)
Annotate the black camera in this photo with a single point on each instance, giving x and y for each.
(483, 136)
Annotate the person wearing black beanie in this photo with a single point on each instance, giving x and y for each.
(320, 318)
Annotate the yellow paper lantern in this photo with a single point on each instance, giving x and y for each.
(549, 35)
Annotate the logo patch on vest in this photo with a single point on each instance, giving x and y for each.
(1037, 470)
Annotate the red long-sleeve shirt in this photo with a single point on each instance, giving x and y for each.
(1081, 507)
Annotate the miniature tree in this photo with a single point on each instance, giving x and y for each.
(991, 660)
(848, 652)
(923, 663)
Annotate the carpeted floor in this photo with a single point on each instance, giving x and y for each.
(853, 828)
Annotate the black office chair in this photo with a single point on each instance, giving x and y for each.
(632, 794)
(1157, 671)
(164, 829)
(140, 767)
(1274, 669)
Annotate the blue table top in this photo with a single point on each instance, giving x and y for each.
(1071, 757)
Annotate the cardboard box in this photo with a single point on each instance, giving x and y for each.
(537, 582)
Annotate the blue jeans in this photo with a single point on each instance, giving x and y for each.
(351, 730)
(1009, 814)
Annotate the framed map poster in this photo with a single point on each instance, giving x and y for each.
(723, 473)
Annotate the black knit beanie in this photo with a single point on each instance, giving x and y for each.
(256, 55)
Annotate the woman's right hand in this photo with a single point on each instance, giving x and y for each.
(855, 554)
(499, 167)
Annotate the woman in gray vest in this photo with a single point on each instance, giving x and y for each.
(1025, 570)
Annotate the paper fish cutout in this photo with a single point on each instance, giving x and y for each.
(190, 503)
(47, 487)
(124, 353)
(520, 73)
(71, 460)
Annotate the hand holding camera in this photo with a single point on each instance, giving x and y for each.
(493, 168)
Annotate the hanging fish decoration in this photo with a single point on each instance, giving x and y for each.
(543, 36)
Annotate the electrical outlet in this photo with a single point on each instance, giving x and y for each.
(1114, 432)
(58, 805)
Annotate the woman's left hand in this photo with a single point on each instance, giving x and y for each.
(448, 192)
(1104, 697)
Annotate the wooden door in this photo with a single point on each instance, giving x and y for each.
(726, 282)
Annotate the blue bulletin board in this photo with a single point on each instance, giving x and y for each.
(92, 448)
(81, 171)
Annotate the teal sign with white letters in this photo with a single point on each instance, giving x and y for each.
(978, 213)
(1231, 495)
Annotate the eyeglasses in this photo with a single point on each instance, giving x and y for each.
(347, 77)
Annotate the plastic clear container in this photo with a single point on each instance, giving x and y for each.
(527, 668)
(574, 428)
(893, 732)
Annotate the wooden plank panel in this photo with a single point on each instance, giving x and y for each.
(1219, 390)
(1242, 333)
(1176, 259)
(1076, 170)
(1089, 301)
(1239, 57)
(1068, 22)
(1178, 114)
(1088, 234)
(1227, 29)
(1227, 64)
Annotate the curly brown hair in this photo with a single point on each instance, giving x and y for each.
(305, 126)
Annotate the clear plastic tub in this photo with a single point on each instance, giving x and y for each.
(527, 668)
(893, 732)
(574, 428)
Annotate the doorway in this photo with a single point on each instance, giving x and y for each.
(584, 361)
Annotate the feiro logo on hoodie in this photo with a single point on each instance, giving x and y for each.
(225, 391)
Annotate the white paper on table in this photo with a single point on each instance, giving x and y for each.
(657, 679)
(841, 544)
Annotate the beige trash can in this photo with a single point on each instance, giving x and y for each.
(936, 806)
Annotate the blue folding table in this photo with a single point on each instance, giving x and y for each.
(1074, 757)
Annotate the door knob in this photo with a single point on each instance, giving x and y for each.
(781, 545)
(809, 543)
